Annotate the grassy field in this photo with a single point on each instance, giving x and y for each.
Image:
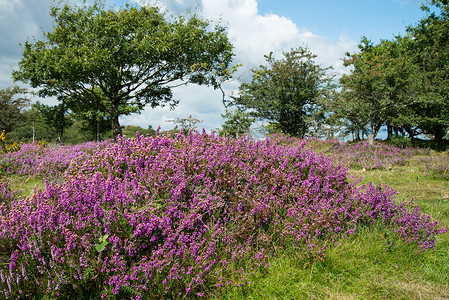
(370, 265)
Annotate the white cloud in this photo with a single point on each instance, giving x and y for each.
(252, 34)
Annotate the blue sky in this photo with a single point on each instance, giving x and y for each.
(255, 27)
(376, 19)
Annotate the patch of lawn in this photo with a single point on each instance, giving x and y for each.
(26, 184)
(366, 266)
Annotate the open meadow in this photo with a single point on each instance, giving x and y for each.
(200, 215)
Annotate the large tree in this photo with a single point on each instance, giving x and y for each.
(377, 90)
(121, 59)
(287, 92)
(11, 107)
(429, 50)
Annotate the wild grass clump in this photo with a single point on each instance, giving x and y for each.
(186, 216)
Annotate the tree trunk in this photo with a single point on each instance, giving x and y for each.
(357, 135)
(409, 131)
(389, 131)
(374, 131)
(98, 129)
(116, 129)
(438, 135)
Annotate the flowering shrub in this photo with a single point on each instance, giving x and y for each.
(363, 155)
(357, 155)
(437, 166)
(7, 147)
(39, 159)
(170, 217)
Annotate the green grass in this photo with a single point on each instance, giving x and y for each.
(361, 267)
(26, 184)
(367, 266)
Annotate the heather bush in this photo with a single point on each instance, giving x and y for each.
(46, 161)
(356, 155)
(363, 155)
(186, 216)
(437, 165)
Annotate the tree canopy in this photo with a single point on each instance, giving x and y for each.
(11, 106)
(429, 51)
(401, 83)
(286, 92)
(119, 60)
(376, 91)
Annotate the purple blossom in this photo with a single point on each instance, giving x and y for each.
(162, 216)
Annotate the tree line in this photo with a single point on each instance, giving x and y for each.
(103, 63)
(26, 122)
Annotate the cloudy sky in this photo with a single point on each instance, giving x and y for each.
(255, 27)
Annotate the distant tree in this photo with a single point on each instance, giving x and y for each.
(94, 123)
(376, 92)
(288, 92)
(131, 130)
(237, 122)
(11, 107)
(186, 124)
(32, 128)
(55, 117)
(118, 60)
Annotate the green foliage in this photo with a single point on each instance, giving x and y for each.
(32, 128)
(237, 123)
(94, 127)
(186, 124)
(289, 91)
(55, 117)
(103, 242)
(402, 83)
(11, 107)
(131, 130)
(118, 60)
(400, 141)
(375, 92)
(429, 51)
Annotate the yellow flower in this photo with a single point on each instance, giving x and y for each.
(3, 136)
